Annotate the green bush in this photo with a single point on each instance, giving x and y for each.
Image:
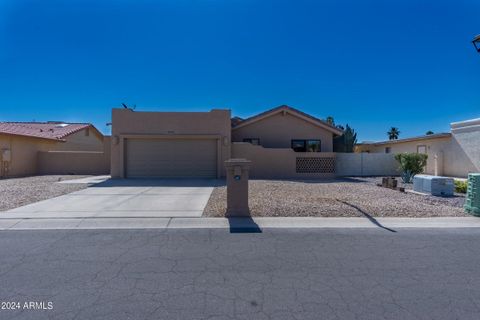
(461, 186)
(411, 164)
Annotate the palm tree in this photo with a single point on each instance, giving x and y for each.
(393, 133)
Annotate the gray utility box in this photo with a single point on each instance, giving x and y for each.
(434, 185)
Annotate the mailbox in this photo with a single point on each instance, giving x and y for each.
(237, 187)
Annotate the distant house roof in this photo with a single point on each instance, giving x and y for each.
(417, 138)
(238, 122)
(45, 130)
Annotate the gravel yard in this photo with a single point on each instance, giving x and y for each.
(352, 197)
(16, 192)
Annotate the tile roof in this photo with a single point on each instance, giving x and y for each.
(46, 130)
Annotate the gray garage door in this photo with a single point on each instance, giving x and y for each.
(157, 158)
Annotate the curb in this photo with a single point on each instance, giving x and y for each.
(389, 224)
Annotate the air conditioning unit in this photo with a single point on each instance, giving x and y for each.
(434, 185)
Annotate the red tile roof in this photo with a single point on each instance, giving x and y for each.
(46, 130)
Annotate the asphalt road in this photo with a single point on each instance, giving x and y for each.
(214, 274)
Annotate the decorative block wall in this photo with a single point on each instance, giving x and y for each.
(315, 165)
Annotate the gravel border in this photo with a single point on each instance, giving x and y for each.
(349, 197)
(17, 192)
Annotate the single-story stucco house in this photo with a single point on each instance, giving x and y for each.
(281, 142)
(455, 153)
(24, 145)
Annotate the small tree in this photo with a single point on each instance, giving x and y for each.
(346, 142)
(429, 132)
(411, 164)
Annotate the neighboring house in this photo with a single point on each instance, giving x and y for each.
(455, 153)
(281, 142)
(21, 143)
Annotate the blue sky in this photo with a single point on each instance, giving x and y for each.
(371, 64)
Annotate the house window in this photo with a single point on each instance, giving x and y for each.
(306, 145)
(299, 145)
(87, 132)
(422, 149)
(254, 141)
(313, 145)
(388, 149)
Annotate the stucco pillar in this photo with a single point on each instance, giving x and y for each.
(237, 187)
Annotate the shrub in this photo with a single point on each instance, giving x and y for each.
(411, 164)
(461, 186)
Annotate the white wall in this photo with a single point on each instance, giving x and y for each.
(366, 164)
(463, 156)
(454, 156)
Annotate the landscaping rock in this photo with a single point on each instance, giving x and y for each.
(17, 192)
(350, 197)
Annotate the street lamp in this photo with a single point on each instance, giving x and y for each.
(476, 42)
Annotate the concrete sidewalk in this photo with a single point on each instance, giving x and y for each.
(389, 224)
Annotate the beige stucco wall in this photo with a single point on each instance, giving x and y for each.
(79, 141)
(23, 152)
(107, 146)
(278, 130)
(73, 162)
(76, 162)
(280, 163)
(276, 163)
(168, 125)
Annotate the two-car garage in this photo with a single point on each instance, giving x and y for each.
(170, 158)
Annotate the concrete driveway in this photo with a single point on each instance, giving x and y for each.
(128, 198)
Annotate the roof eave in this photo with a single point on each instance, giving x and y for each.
(35, 137)
(380, 143)
(292, 111)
